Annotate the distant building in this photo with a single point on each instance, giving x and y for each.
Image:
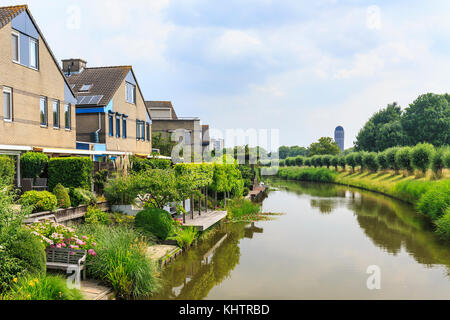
(217, 144)
(339, 137)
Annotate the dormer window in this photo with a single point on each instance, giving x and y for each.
(85, 88)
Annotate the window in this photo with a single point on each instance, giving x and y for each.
(34, 53)
(187, 137)
(43, 111)
(117, 126)
(148, 131)
(55, 114)
(111, 125)
(15, 47)
(67, 116)
(7, 104)
(124, 127)
(138, 131)
(85, 88)
(142, 130)
(130, 94)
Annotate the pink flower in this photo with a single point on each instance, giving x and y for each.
(94, 244)
(84, 237)
(58, 245)
(92, 252)
(63, 245)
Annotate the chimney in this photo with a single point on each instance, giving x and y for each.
(71, 66)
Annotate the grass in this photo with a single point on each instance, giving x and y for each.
(243, 210)
(121, 261)
(428, 194)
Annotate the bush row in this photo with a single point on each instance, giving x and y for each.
(421, 157)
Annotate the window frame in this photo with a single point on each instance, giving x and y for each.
(56, 125)
(124, 127)
(118, 126)
(8, 90)
(68, 116)
(132, 91)
(42, 98)
(147, 129)
(36, 42)
(111, 125)
(17, 34)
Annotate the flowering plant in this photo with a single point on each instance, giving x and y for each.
(56, 235)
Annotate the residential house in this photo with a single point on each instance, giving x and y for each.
(111, 114)
(206, 140)
(166, 122)
(37, 105)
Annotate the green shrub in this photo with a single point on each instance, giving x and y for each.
(412, 190)
(438, 161)
(30, 250)
(10, 268)
(121, 219)
(138, 164)
(155, 221)
(33, 164)
(71, 172)
(308, 174)
(421, 156)
(443, 225)
(96, 216)
(282, 163)
(307, 162)
(382, 161)
(316, 161)
(342, 162)
(7, 170)
(326, 160)
(436, 200)
(100, 178)
(358, 156)
(391, 154)
(62, 195)
(370, 161)
(39, 200)
(403, 159)
(42, 288)
(80, 197)
(351, 161)
(299, 161)
(335, 162)
(121, 262)
(120, 191)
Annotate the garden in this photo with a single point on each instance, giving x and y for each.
(116, 244)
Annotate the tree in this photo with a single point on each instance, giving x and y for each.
(164, 144)
(403, 159)
(421, 156)
(382, 131)
(325, 145)
(370, 161)
(283, 152)
(427, 119)
(296, 151)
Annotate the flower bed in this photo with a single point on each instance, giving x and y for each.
(56, 235)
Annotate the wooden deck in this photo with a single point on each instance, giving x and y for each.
(205, 220)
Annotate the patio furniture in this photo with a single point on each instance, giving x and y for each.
(40, 184)
(67, 259)
(27, 184)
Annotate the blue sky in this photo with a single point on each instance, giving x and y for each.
(302, 67)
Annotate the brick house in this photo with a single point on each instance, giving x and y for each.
(37, 105)
(110, 108)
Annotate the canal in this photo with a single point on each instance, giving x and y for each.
(321, 248)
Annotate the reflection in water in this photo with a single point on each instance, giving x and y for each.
(390, 225)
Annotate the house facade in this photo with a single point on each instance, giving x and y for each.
(37, 105)
(166, 122)
(110, 111)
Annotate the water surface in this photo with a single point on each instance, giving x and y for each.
(320, 249)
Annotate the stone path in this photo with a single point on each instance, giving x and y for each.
(159, 251)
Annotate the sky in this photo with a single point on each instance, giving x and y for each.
(300, 67)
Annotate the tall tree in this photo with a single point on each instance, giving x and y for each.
(427, 119)
(325, 145)
(382, 131)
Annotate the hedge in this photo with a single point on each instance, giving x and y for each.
(139, 164)
(72, 172)
(40, 201)
(7, 170)
(33, 164)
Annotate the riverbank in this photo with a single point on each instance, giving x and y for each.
(430, 197)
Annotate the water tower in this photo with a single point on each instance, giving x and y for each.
(339, 137)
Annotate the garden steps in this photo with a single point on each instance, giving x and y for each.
(93, 290)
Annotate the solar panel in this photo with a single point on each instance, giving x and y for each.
(88, 100)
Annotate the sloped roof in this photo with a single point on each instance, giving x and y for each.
(105, 82)
(9, 13)
(161, 104)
